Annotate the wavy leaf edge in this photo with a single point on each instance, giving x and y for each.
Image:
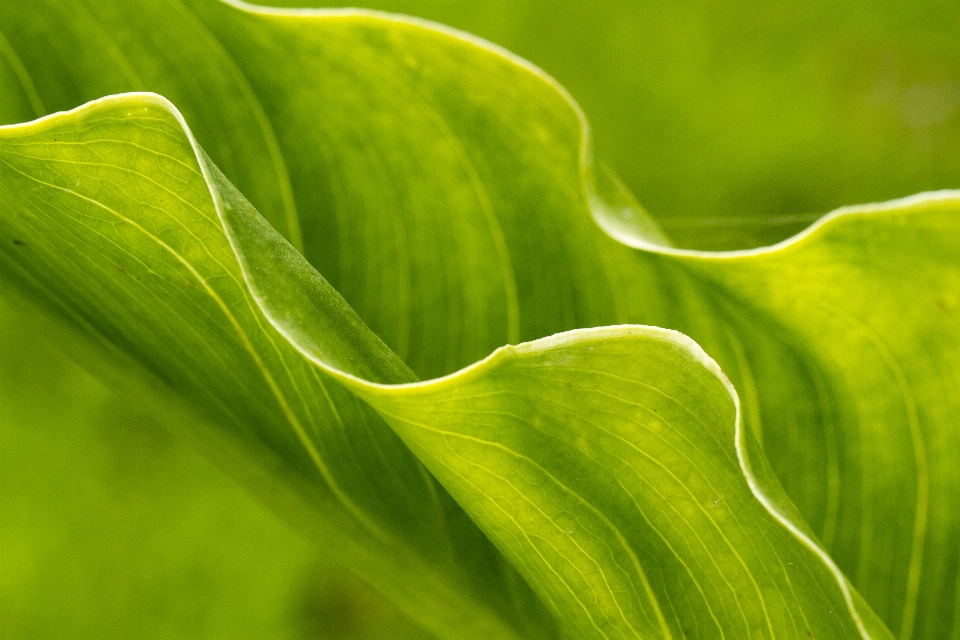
(613, 208)
(507, 352)
(619, 217)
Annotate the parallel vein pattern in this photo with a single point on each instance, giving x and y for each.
(116, 199)
(446, 190)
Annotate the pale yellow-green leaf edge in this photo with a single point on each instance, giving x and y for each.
(613, 209)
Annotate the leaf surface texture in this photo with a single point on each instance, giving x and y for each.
(446, 193)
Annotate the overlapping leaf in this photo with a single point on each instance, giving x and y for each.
(445, 190)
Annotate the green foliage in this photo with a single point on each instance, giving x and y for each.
(409, 200)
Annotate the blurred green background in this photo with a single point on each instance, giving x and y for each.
(734, 123)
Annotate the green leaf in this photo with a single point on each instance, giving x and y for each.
(134, 257)
(154, 272)
(531, 441)
(445, 189)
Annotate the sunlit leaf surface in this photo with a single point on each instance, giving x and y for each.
(447, 191)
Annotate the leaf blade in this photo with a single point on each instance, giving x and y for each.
(715, 315)
(163, 286)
